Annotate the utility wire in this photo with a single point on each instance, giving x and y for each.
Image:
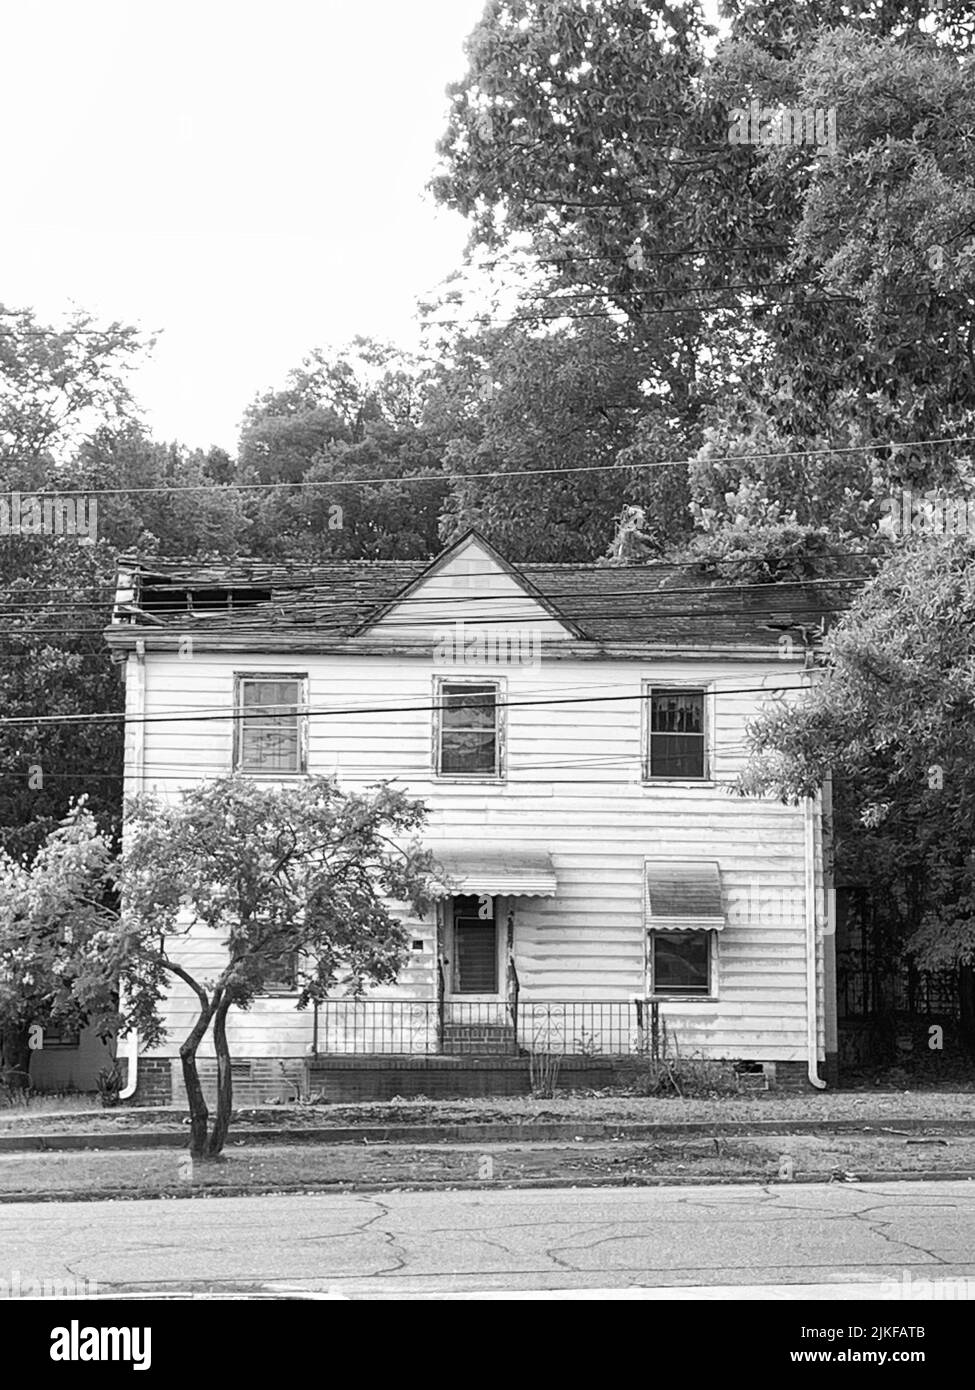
(239, 714)
(224, 488)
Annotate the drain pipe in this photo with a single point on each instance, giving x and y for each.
(138, 728)
(812, 1030)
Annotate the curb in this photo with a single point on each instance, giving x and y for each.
(355, 1188)
(502, 1132)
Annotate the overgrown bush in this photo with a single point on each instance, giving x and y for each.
(109, 1083)
(696, 1077)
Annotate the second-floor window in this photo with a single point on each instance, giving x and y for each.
(677, 739)
(469, 732)
(270, 725)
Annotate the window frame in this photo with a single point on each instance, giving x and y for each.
(280, 989)
(500, 727)
(651, 687)
(60, 1039)
(710, 995)
(241, 678)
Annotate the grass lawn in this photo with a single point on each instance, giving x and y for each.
(260, 1169)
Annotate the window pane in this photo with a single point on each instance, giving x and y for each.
(676, 755)
(467, 752)
(680, 962)
(268, 694)
(677, 712)
(282, 971)
(677, 734)
(270, 748)
(469, 707)
(269, 734)
(469, 730)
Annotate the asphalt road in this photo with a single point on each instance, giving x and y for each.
(832, 1240)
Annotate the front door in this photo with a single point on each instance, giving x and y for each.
(475, 947)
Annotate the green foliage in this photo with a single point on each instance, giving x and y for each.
(343, 420)
(55, 386)
(871, 241)
(740, 553)
(58, 958)
(892, 718)
(301, 869)
(182, 503)
(55, 601)
(559, 400)
(305, 872)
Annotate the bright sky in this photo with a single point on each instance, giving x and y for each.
(248, 179)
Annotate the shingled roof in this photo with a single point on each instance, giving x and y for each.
(656, 604)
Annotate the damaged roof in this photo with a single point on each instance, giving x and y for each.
(332, 601)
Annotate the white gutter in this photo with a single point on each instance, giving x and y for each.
(135, 710)
(812, 1022)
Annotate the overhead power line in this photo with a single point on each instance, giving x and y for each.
(325, 605)
(238, 714)
(223, 489)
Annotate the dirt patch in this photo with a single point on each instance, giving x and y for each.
(608, 1108)
(766, 1159)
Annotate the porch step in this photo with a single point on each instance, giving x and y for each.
(479, 1039)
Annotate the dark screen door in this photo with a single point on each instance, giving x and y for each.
(475, 953)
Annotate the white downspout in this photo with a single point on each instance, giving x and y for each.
(135, 711)
(812, 1022)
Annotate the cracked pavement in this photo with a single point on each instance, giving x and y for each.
(423, 1244)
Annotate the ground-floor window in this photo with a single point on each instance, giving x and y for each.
(680, 963)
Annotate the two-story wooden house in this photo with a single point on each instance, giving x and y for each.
(575, 732)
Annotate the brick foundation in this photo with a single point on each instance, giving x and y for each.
(345, 1080)
(349, 1079)
(793, 1076)
(155, 1083)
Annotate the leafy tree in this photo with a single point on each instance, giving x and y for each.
(779, 552)
(332, 397)
(551, 414)
(57, 964)
(305, 872)
(170, 500)
(352, 515)
(56, 596)
(871, 243)
(342, 421)
(782, 26)
(582, 128)
(781, 299)
(892, 718)
(56, 386)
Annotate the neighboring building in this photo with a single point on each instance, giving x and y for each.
(69, 1060)
(575, 732)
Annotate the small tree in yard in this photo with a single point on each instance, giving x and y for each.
(57, 940)
(304, 872)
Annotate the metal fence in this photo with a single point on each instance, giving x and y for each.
(867, 989)
(568, 1027)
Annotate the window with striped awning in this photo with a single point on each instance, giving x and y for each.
(683, 895)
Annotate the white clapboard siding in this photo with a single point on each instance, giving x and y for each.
(573, 788)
